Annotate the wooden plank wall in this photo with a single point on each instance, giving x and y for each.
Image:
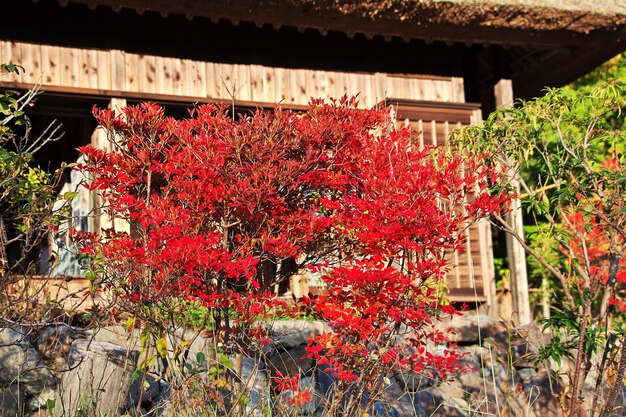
(472, 274)
(118, 74)
(124, 72)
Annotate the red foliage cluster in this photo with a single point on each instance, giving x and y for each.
(223, 209)
(594, 242)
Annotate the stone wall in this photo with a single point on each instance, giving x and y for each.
(91, 372)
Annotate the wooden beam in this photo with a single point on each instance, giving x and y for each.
(114, 73)
(517, 257)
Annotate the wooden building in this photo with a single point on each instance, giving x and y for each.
(442, 64)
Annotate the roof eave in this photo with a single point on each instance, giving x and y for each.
(469, 23)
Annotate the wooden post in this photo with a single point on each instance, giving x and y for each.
(517, 258)
(99, 139)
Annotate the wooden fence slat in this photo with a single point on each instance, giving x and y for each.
(226, 80)
(280, 85)
(167, 70)
(198, 78)
(8, 57)
(17, 57)
(269, 85)
(331, 84)
(186, 78)
(103, 71)
(177, 77)
(291, 87)
(88, 68)
(366, 91)
(243, 83)
(256, 75)
(389, 87)
(457, 90)
(33, 64)
(211, 80)
(50, 60)
(146, 73)
(433, 132)
(131, 62)
(343, 84)
(118, 70)
(69, 67)
(310, 84)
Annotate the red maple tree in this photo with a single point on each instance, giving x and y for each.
(224, 209)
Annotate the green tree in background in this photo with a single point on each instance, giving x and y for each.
(567, 150)
(27, 192)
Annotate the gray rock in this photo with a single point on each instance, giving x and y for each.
(130, 340)
(283, 407)
(116, 335)
(12, 401)
(523, 355)
(290, 362)
(543, 395)
(526, 375)
(53, 343)
(292, 333)
(412, 382)
(39, 401)
(20, 363)
(256, 386)
(98, 379)
(380, 409)
(400, 399)
(465, 329)
(153, 397)
(431, 402)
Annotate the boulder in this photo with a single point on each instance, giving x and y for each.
(543, 394)
(465, 329)
(152, 398)
(283, 406)
(98, 379)
(116, 335)
(53, 343)
(400, 398)
(292, 333)
(21, 364)
(256, 387)
(290, 362)
(12, 401)
(130, 340)
(432, 402)
(412, 382)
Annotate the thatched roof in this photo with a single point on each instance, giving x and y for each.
(605, 7)
(535, 43)
(514, 22)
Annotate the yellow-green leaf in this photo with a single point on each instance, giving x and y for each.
(161, 346)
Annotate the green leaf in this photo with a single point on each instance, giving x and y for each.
(69, 195)
(244, 399)
(12, 68)
(50, 404)
(225, 360)
(200, 358)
